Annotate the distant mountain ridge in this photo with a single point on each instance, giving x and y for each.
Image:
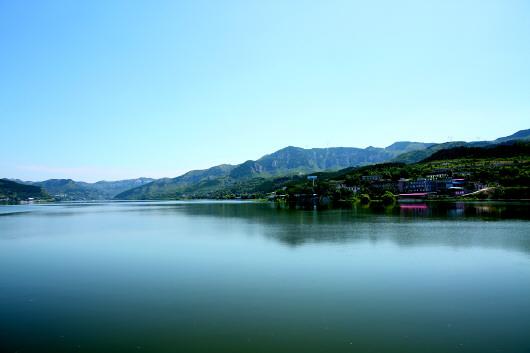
(519, 135)
(506, 149)
(291, 159)
(294, 160)
(421, 154)
(13, 191)
(71, 190)
(286, 162)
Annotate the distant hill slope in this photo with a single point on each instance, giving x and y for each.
(248, 175)
(292, 160)
(506, 164)
(109, 189)
(13, 191)
(167, 188)
(502, 169)
(421, 154)
(506, 150)
(287, 161)
(519, 135)
(68, 189)
(252, 176)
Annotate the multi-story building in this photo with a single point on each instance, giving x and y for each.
(371, 177)
(385, 185)
(424, 185)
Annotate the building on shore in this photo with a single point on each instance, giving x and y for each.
(371, 177)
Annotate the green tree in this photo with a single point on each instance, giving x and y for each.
(365, 199)
(388, 198)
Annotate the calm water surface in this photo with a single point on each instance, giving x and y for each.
(246, 277)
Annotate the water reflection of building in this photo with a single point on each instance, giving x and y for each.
(413, 196)
(489, 210)
(415, 209)
(457, 209)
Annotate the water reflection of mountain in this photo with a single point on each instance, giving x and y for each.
(457, 211)
(492, 225)
(455, 225)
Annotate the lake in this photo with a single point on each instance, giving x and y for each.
(248, 277)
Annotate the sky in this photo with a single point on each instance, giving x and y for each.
(121, 89)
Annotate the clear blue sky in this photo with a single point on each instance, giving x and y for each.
(115, 89)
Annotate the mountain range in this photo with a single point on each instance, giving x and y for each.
(421, 154)
(285, 162)
(70, 190)
(13, 191)
(290, 161)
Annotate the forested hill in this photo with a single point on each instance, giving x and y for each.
(287, 161)
(497, 151)
(13, 191)
(418, 155)
(68, 189)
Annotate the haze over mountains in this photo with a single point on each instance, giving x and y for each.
(284, 162)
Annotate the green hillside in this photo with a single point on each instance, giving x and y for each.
(11, 191)
(256, 177)
(423, 153)
(419, 155)
(285, 162)
(514, 149)
(506, 166)
(70, 190)
(519, 135)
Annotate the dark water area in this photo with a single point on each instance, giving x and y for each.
(251, 277)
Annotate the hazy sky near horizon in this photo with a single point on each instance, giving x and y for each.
(120, 89)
